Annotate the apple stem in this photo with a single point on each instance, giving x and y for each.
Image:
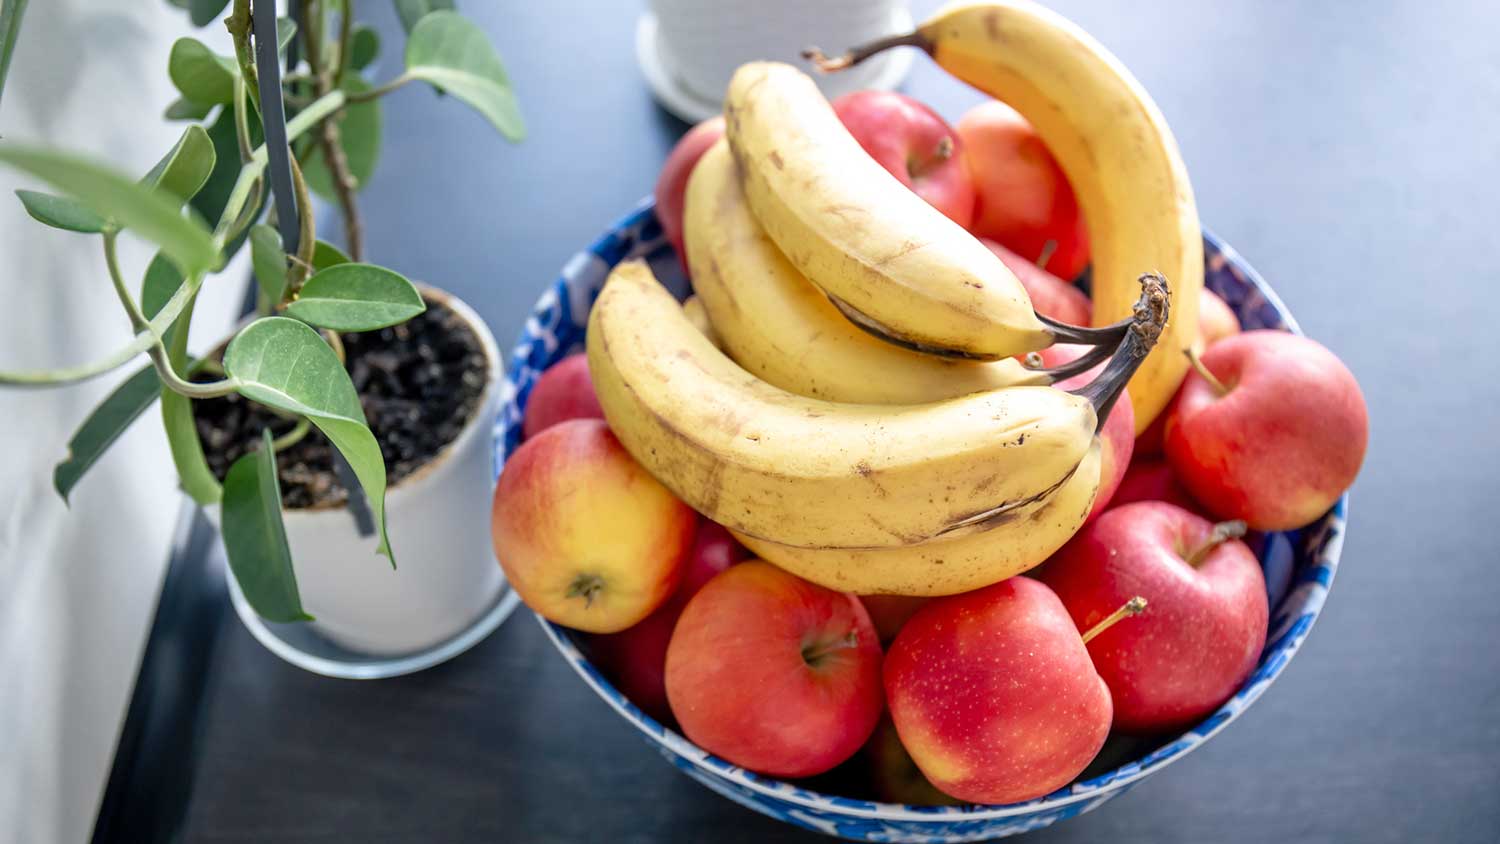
(1131, 607)
(1048, 250)
(813, 653)
(586, 586)
(945, 148)
(1202, 370)
(854, 56)
(1222, 532)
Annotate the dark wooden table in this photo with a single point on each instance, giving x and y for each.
(1349, 152)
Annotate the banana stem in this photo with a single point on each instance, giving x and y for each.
(1222, 533)
(855, 55)
(1145, 327)
(1131, 607)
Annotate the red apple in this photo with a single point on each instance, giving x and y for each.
(1215, 318)
(1050, 295)
(671, 185)
(565, 391)
(1149, 443)
(585, 535)
(1280, 436)
(636, 658)
(915, 145)
(894, 776)
(1205, 619)
(1024, 200)
(889, 612)
(993, 693)
(1117, 435)
(773, 673)
(1151, 479)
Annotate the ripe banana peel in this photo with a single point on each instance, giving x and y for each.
(807, 473)
(776, 324)
(950, 566)
(1112, 142)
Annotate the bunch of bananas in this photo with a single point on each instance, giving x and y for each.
(866, 425)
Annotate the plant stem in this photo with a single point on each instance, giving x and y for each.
(1048, 250)
(336, 343)
(1221, 533)
(292, 437)
(344, 184)
(1131, 607)
(138, 321)
(239, 24)
(241, 119)
(307, 240)
(346, 28)
(1197, 362)
(379, 91)
(814, 653)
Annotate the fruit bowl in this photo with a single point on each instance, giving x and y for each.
(1299, 568)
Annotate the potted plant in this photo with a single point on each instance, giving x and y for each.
(353, 406)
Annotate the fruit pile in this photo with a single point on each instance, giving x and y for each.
(792, 514)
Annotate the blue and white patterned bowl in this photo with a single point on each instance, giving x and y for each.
(1299, 568)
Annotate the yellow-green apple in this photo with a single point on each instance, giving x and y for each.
(565, 391)
(636, 658)
(1151, 479)
(916, 145)
(1050, 295)
(889, 612)
(994, 695)
(1116, 435)
(1215, 318)
(773, 673)
(894, 777)
(1205, 618)
(1023, 199)
(1270, 429)
(671, 184)
(585, 535)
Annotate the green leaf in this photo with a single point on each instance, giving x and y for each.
(197, 478)
(183, 171)
(364, 46)
(268, 259)
(184, 109)
(282, 363)
(359, 135)
(286, 30)
(210, 201)
(255, 538)
(326, 255)
(449, 51)
(159, 284)
(148, 212)
(60, 212)
(11, 12)
(412, 11)
(357, 297)
(204, 12)
(105, 425)
(200, 74)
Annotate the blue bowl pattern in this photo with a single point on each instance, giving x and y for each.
(1299, 565)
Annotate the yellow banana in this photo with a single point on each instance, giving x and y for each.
(1112, 142)
(948, 566)
(780, 327)
(891, 262)
(809, 473)
(697, 314)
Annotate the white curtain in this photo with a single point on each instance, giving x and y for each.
(78, 585)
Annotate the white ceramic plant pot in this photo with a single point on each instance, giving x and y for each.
(688, 49)
(446, 580)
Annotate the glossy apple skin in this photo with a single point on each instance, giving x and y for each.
(636, 658)
(894, 777)
(565, 391)
(571, 503)
(1203, 627)
(1117, 436)
(739, 683)
(1050, 295)
(1023, 198)
(671, 183)
(994, 695)
(1286, 441)
(1215, 318)
(916, 145)
(889, 612)
(1151, 479)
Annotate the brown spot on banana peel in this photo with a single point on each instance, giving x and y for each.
(775, 158)
(992, 517)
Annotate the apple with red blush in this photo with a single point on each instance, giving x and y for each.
(1050, 295)
(1205, 619)
(1116, 435)
(917, 146)
(889, 612)
(894, 777)
(1215, 318)
(564, 391)
(671, 184)
(774, 673)
(1151, 479)
(1270, 428)
(636, 658)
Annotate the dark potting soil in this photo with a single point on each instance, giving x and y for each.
(419, 382)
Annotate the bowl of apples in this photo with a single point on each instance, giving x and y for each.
(858, 523)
